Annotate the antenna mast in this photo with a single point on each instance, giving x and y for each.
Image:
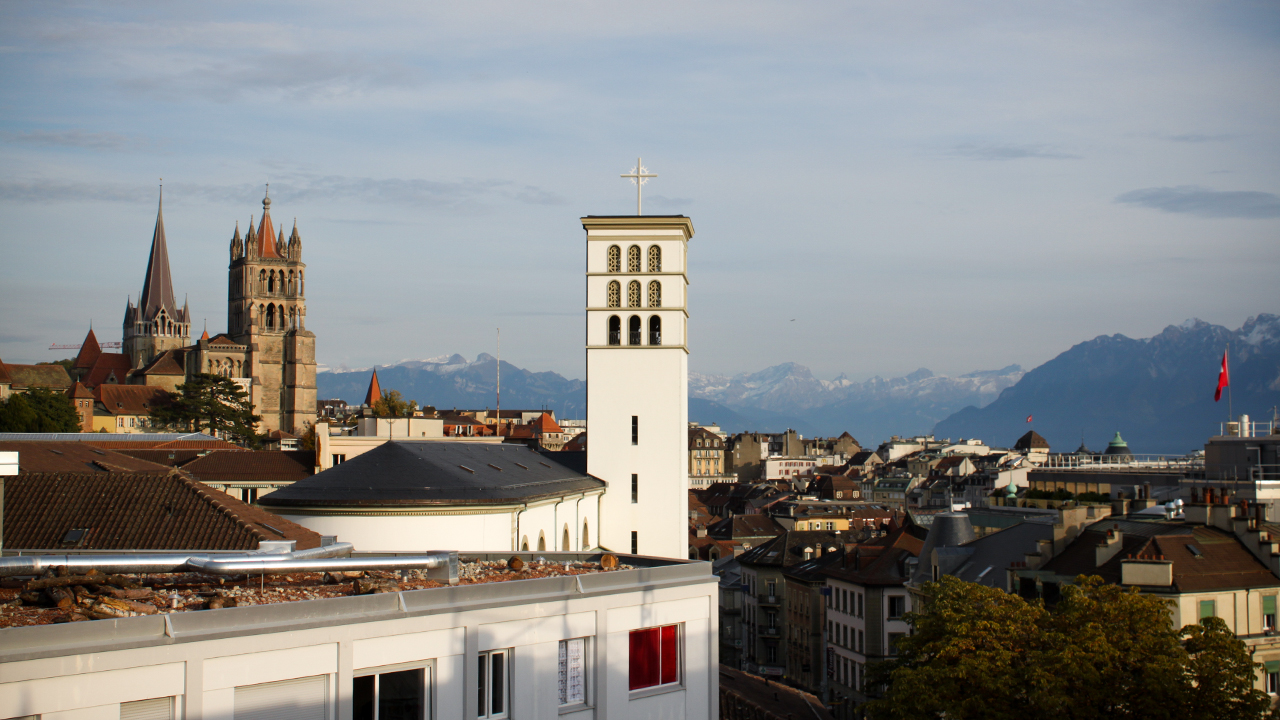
(499, 381)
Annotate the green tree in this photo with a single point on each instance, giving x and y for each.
(393, 404)
(67, 363)
(40, 410)
(210, 403)
(1102, 651)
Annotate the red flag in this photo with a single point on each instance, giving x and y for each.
(1028, 418)
(1223, 378)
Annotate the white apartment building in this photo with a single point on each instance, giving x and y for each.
(632, 643)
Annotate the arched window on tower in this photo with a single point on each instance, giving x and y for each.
(615, 294)
(614, 259)
(293, 283)
(293, 319)
(271, 282)
(633, 330)
(271, 317)
(615, 330)
(302, 290)
(655, 330)
(262, 280)
(655, 258)
(655, 294)
(633, 293)
(633, 258)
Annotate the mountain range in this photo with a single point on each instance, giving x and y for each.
(1157, 392)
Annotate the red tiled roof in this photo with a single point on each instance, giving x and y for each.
(281, 435)
(134, 511)
(89, 352)
(375, 390)
(4, 374)
(107, 367)
(50, 376)
(79, 391)
(128, 399)
(267, 233)
(578, 443)
(254, 465)
(37, 456)
(166, 363)
(222, 339)
(211, 444)
(545, 424)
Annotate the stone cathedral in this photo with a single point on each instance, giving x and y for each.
(267, 348)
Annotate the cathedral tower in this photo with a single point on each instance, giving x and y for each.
(155, 324)
(266, 313)
(638, 379)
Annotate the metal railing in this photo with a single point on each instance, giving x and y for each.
(1121, 462)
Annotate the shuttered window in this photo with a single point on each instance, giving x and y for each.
(1268, 612)
(153, 709)
(297, 699)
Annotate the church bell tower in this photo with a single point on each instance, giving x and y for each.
(638, 379)
(266, 313)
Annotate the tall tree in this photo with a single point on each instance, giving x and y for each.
(1102, 651)
(393, 404)
(39, 410)
(212, 403)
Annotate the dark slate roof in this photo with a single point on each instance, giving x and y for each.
(574, 459)
(136, 511)
(252, 466)
(788, 548)
(882, 565)
(1031, 441)
(157, 286)
(436, 473)
(994, 553)
(814, 571)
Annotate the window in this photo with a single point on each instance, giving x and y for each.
(897, 606)
(635, 429)
(615, 330)
(859, 604)
(493, 680)
(573, 671)
(398, 695)
(615, 294)
(1269, 612)
(635, 488)
(655, 331)
(153, 709)
(1208, 608)
(633, 293)
(633, 259)
(654, 657)
(305, 697)
(633, 330)
(635, 543)
(893, 642)
(1273, 676)
(614, 259)
(861, 637)
(655, 258)
(655, 294)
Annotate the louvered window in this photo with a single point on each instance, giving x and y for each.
(297, 699)
(153, 709)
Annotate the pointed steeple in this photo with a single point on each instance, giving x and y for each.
(89, 352)
(375, 391)
(237, 245)
(157, 288)
(266, 232)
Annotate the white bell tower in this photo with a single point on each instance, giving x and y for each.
(638, 379)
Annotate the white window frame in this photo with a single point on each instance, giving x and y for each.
(587, 667)
(428, 680)
(486, 670)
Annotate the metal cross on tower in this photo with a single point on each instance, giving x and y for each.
(639, 176)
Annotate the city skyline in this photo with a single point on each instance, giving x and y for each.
(934, 177)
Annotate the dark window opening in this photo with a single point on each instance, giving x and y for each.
(633, 330)
(615, 330)
(635, 429)
(635, 543)
(655, 330)
(635, 488)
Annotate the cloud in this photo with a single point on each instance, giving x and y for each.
(75, 138)
(1010, 152)
(1198, 138)
(1204, 202)
(295, 187)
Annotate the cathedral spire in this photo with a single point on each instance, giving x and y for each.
(266, 232)
(157, 287)
(375, 390)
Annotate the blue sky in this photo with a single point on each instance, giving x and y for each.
(875, 186)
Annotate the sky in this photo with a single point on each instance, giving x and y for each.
(874, 186)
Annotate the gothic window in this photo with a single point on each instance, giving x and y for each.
(615, 259)
(633, 258)
(633, 293)
(271, 282)
(271, 317)
(262, 279)
(655, 330)
(633, 330)
(615, 294)
(615, 331)
(301, 285)
(586, 543)
(293, 318)
(655, 258)
(655, 294)
(293, 287)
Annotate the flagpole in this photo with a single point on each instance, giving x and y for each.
(1230, 412)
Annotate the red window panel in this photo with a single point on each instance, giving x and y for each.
(655, 657)
(670, 656)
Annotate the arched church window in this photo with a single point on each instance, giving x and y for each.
(615, 294)
(614, 259)
(262, 279)
(633, 258)
(633, 330)
(655, 330)
(655, 258)
(586, 543)
(293, 286)
(633, 293)
(271, 317)
(293, 318)
(615, 331)
(542, 542)
(271, 281)
(655, 294)
(301, 284)
(564, 543)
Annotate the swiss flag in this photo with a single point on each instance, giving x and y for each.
(1224, 379)
(1028, 418)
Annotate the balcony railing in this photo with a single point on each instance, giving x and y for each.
(1120, 462)
(770, 632)
(768, 599)
(635, 338)
(655, 338)
(615, 337)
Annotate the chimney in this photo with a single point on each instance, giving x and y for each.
(1109, 547)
